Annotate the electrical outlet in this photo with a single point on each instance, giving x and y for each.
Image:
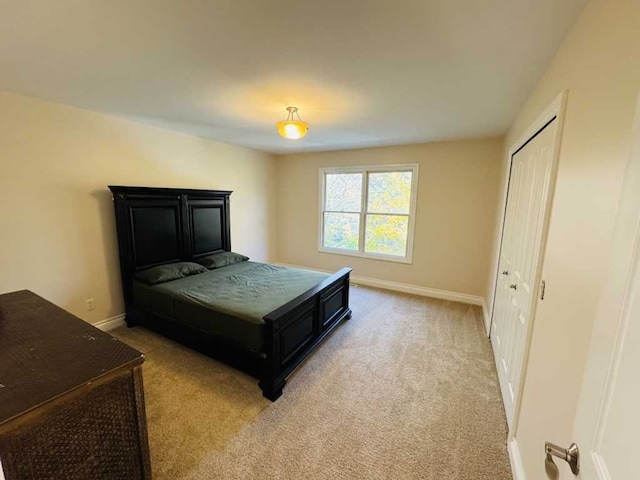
(91, 304)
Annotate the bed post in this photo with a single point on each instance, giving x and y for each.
(295, 329)
(270, 384)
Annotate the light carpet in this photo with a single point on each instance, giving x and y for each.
(407, 389)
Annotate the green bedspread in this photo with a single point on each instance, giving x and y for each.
(244, 292)
(247, 290)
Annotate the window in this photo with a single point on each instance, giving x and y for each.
(368, 211)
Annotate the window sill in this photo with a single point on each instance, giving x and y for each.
(370, 256)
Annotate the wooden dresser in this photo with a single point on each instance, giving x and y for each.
(71, 398)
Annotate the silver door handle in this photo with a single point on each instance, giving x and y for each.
(513, 286)
(506, 272)
(570, 455)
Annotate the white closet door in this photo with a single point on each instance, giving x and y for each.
(517, 288)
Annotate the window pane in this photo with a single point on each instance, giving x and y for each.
(341, 230)
(389, 192)
(386, 234)
(343, 192)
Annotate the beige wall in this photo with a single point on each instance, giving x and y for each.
(457, 197)
(57, 229)
(598, 64)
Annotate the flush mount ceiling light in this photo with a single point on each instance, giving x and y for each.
(292, 128)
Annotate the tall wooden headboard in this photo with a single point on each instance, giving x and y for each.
(157, 226)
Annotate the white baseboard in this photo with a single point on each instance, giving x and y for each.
(110, 323)
(485, 315)
(416, 290)
(516, 460)
(403, 287)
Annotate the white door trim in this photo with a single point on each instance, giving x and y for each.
(556, 109)
(517, 469)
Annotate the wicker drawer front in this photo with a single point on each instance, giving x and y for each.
(91, 436)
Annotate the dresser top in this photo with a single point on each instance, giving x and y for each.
(45, 352)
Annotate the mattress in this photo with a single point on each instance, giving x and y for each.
(239, 295)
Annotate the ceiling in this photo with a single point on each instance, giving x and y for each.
(362, 72)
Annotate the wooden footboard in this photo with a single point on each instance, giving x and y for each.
(295, 329)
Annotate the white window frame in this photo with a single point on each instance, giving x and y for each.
(365, 171)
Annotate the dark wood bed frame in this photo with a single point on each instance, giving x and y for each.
(157, 226)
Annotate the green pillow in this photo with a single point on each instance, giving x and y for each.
(223, 259)
(171, 271)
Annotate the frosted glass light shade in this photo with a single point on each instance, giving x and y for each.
(292, 129)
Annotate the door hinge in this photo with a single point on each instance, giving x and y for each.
(543, 286)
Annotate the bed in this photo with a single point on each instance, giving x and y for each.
(260, 318)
